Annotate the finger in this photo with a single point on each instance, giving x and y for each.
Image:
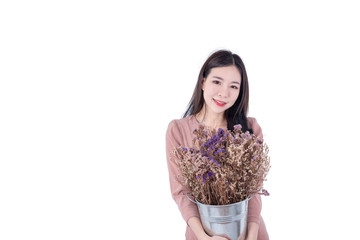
(225, 236)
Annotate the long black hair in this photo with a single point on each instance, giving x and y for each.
(236, 114)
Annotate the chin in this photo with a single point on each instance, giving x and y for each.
(219, 111)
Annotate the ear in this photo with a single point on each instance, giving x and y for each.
(202, 84)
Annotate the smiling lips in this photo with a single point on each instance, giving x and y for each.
(219, 103)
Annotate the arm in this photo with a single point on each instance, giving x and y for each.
(255, 204)
(254, 210)
(196, 227)
(188, 209)
(252, 231)
(174, 138)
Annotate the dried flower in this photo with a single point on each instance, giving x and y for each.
(223, 167)
(265, 192)
(237, 127)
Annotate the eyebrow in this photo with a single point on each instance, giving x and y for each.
(223, 79)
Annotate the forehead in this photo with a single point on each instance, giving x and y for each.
(228, 73)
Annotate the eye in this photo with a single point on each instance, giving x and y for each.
(234, 87)
(216, 82)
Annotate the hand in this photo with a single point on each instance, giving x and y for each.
(220, 237)
(195, 225)
(252, 231)
(250, 238)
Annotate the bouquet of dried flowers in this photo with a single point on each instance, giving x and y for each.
(223, 167)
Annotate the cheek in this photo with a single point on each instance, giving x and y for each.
(235, 95)
(209, 92)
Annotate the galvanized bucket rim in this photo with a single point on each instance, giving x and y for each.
(219, 206)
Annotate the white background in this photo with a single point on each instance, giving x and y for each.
(87, 89)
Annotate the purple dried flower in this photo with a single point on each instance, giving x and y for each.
(213, 140)
(246, 135)
(232, 137)
(219, 150)
(237, 127)
(221, 132)
(202, 177)
(210, 148)
(265, 193)
(212, 160)
(210, 174)
(205, 176)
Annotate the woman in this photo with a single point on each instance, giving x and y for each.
(220, 100)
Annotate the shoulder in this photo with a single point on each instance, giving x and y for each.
(173, 126)
(173, 134)
(179, 129)
(254, 125)
(251, 121)
(179, 123)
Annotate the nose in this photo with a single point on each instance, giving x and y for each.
(224, 92)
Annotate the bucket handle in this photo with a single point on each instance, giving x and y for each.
(254, 194)
(189, 197)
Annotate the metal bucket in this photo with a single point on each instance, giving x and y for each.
(229, 220)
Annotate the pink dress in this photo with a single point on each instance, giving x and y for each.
(180, 133)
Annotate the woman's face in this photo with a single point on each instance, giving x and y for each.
(221, 88)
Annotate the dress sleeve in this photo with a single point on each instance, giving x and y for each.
(187, 208)
(254, 207)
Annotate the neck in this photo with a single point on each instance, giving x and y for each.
(213, 120)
